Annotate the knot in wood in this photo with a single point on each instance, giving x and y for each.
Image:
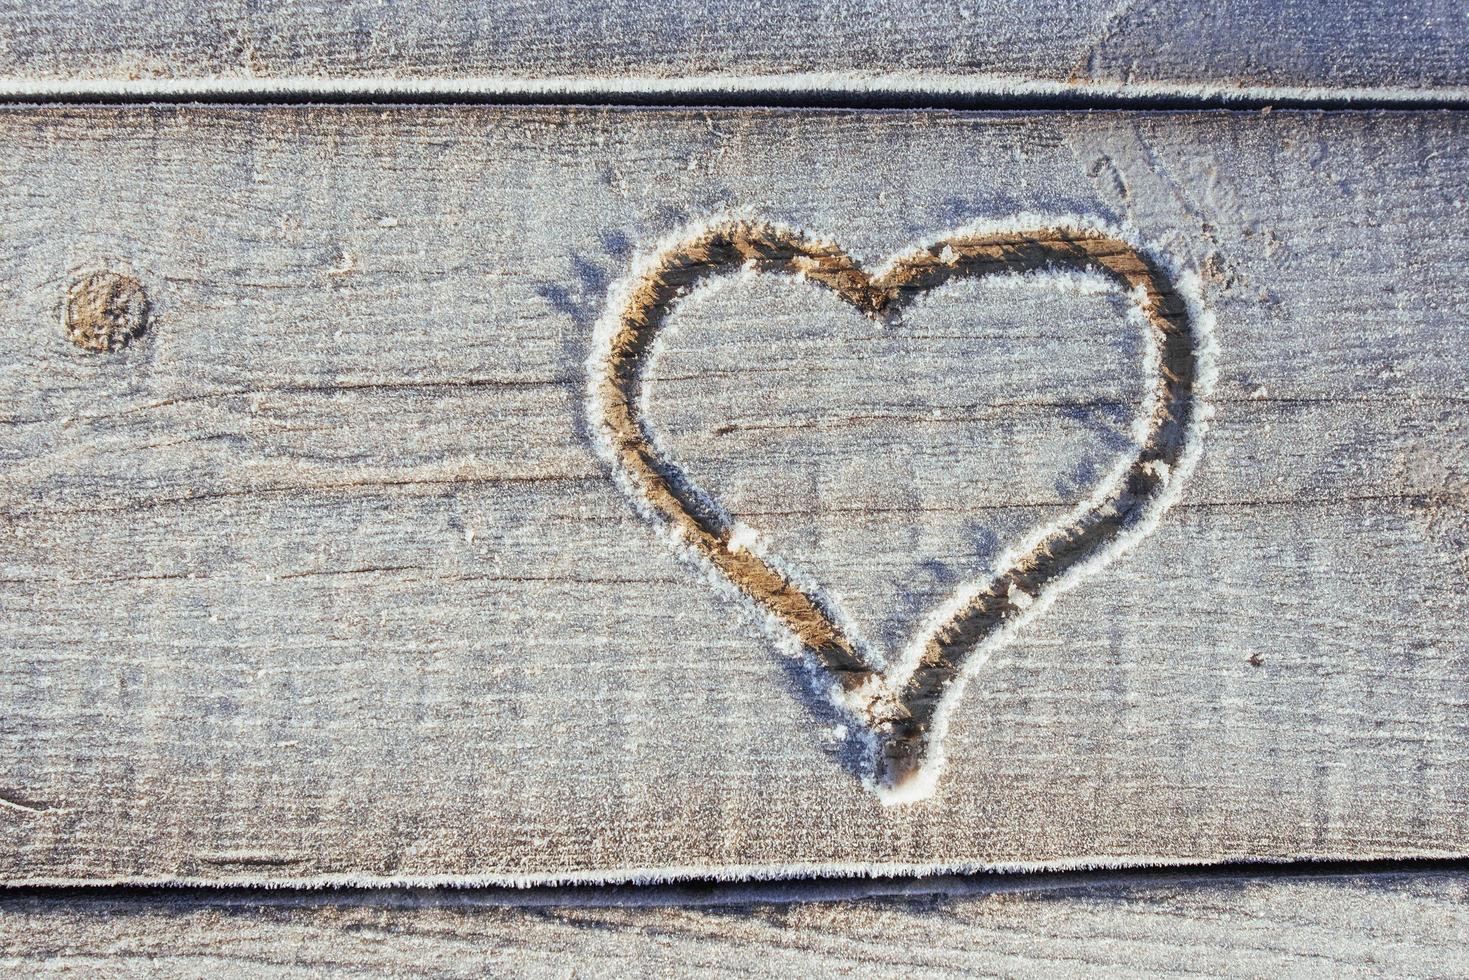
(105, 310)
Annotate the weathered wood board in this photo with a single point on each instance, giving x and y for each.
(1358, 49)
(1342, 926)
(321, 577)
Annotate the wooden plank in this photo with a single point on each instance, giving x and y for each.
(1401, 924)
(320, 577)
(1368, 49)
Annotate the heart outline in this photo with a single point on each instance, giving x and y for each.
(903, 707)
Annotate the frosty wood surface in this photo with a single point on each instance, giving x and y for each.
(1383, 925)
(320, 578)
(1392, 49)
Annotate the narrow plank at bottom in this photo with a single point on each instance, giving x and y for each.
(1389, 924)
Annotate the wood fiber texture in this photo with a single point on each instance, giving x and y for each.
(1381, 925)
(981, 45)
(320, 577)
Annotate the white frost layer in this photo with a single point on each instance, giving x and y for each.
(904, 86)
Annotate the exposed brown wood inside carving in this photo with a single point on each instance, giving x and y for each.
(901, 711)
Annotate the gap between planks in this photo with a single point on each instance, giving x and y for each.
(792, 91)
(717, 892)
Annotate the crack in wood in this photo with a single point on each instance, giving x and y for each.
(902, 706)
(303, 490)
(19, 804)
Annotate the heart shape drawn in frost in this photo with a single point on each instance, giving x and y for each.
(901, 707)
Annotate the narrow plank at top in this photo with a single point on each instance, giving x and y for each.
(1358, 49)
